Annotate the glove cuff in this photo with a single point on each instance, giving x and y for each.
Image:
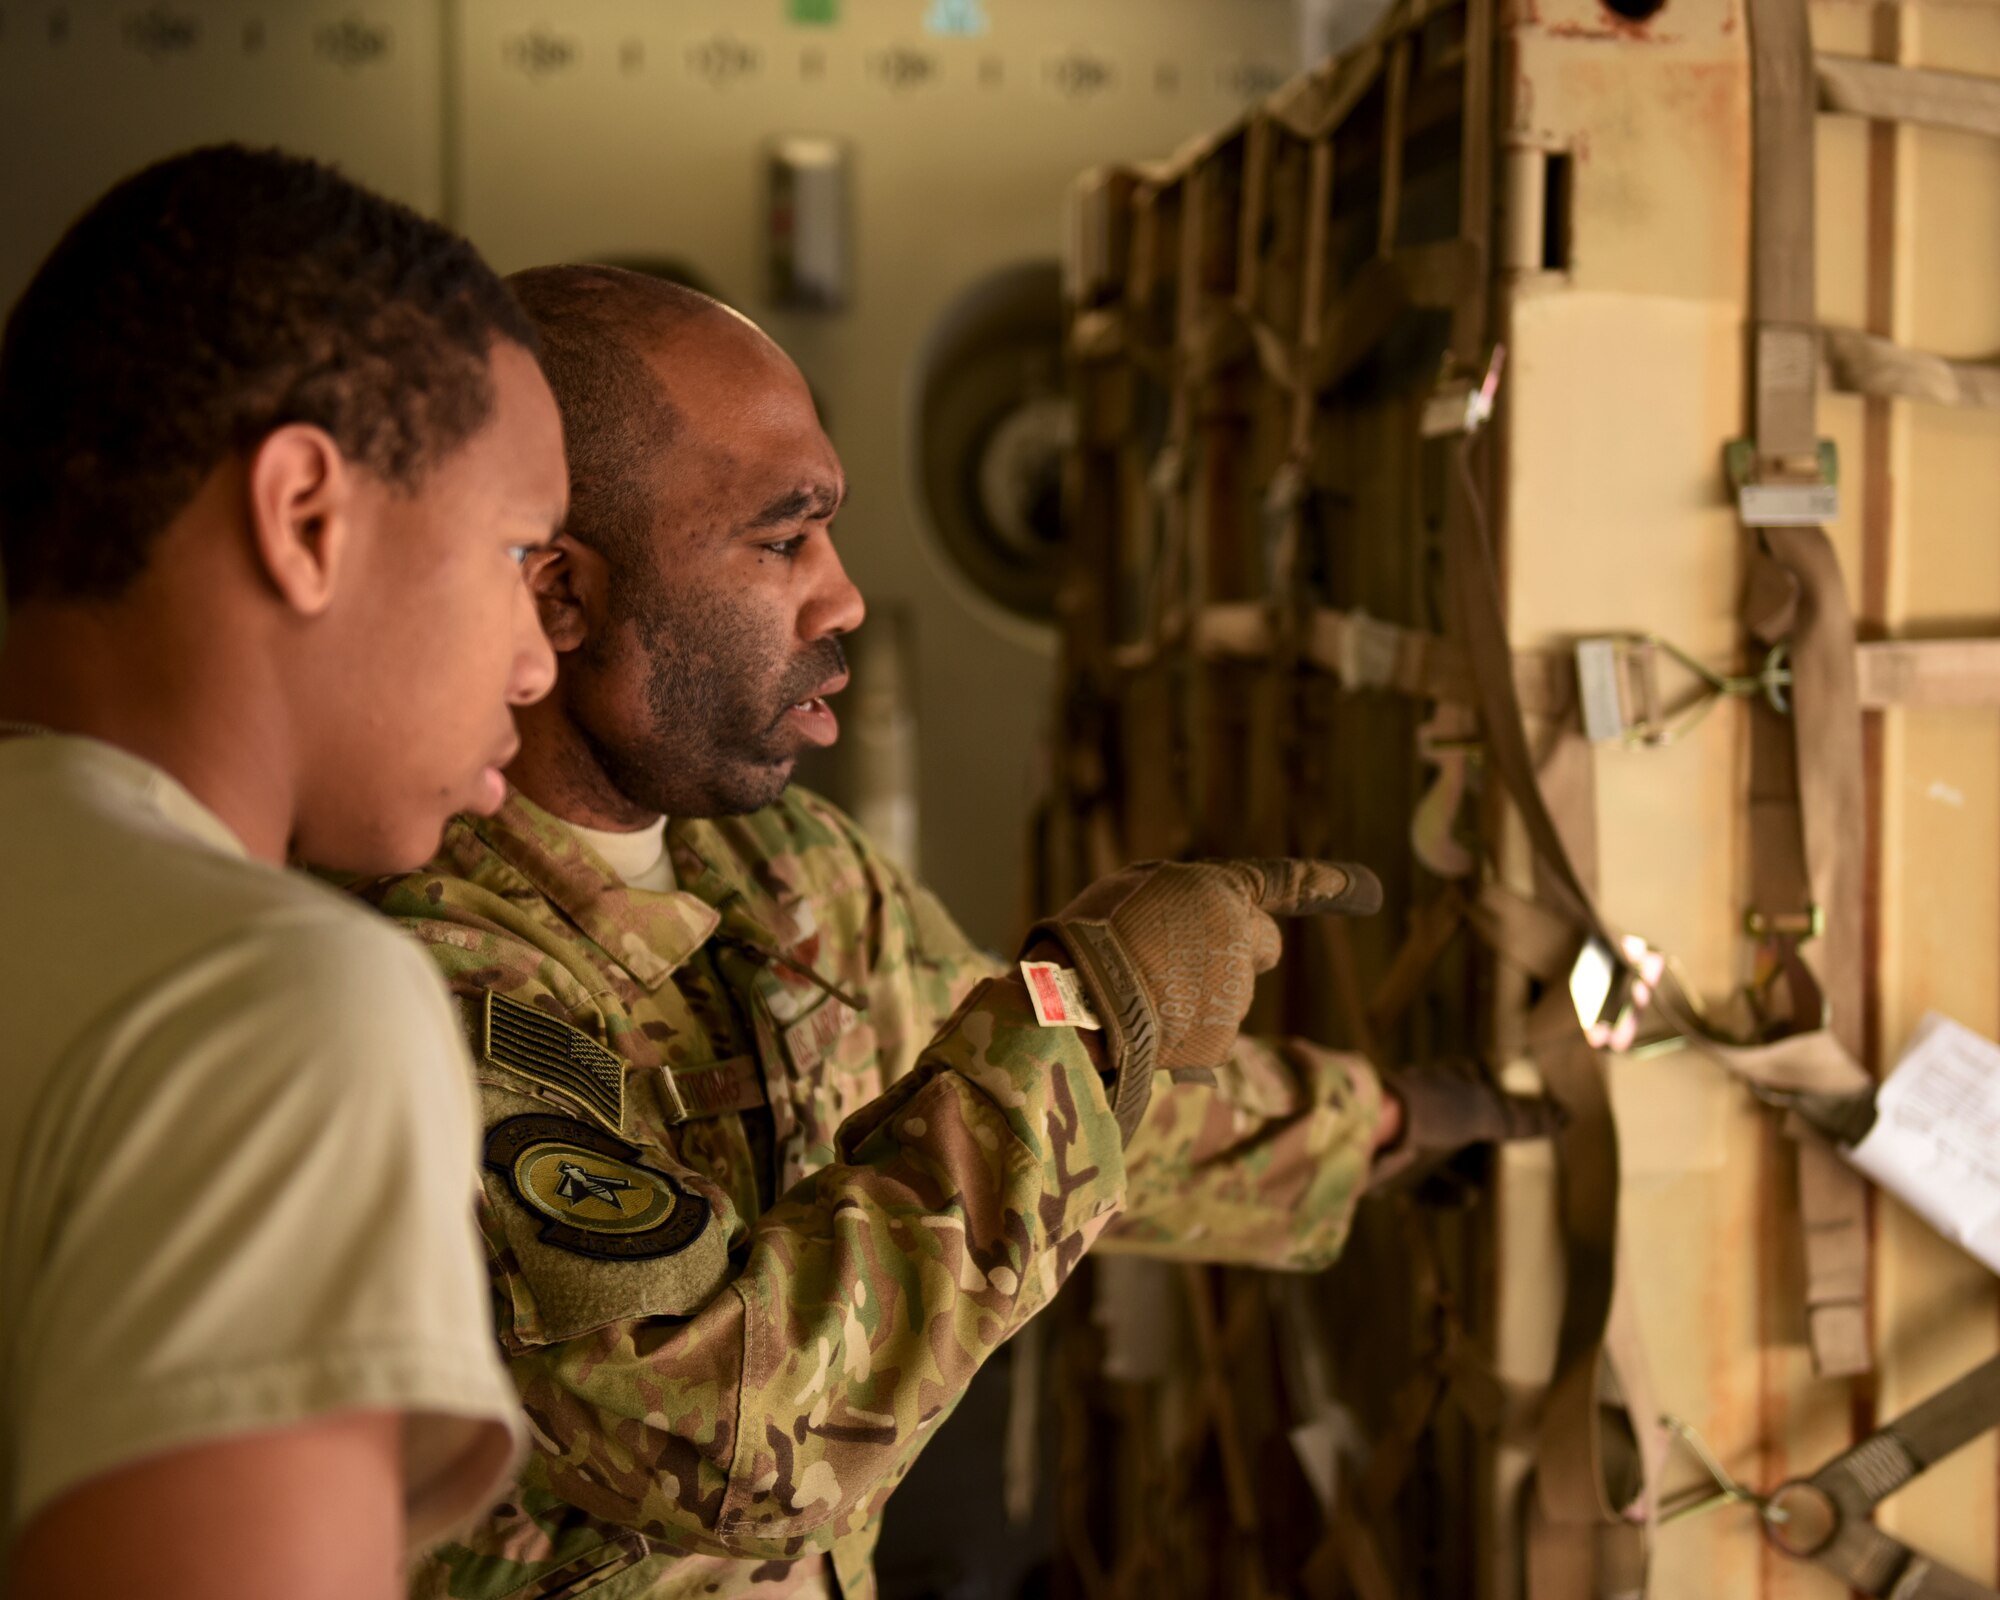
(1131, 1027)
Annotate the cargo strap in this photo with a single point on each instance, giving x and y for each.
(1366, 654)
(1824, 1518)
(1876, 89)
(1864, 363)
(1808, 816)
(1274, 753)
(1580, 1543)
(1158, 816)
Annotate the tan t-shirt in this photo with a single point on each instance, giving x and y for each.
(236, 1153)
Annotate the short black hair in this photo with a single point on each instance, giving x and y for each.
(594, 323)
(198, 306)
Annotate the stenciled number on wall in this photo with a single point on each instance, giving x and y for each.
(906, 67)
(353, 43)
(724, 59)
(539, 53)
(160, 34)
(1077, 75)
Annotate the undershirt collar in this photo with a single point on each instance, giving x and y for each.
(638, 857)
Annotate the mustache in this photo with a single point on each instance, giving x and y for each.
(822, 660)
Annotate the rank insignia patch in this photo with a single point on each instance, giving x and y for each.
(593, 1195)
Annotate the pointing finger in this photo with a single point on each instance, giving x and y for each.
(1266, 944)
(1294, 887)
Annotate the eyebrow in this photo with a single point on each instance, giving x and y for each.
(812, 503)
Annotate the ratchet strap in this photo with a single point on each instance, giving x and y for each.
(1580, 1542)
(1807, 811)
(1824, 1518)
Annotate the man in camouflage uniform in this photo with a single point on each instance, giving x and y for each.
(751, 1230)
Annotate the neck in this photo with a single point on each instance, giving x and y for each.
(162, 691)
(559, 769)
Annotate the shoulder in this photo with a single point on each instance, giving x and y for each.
(345, 985)
(803, 843)
(807, 847)
(283, 937)
(482, 923)
(454, 886)
(306, 1019)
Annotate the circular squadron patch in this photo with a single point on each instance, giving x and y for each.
(595, 1196)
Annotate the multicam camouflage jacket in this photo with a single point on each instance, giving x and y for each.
(754, 1221)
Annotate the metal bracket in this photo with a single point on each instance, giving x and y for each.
(1618, 688)
(1801, 925)
(1784, 494)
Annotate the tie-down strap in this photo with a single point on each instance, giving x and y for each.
(1824, 1518)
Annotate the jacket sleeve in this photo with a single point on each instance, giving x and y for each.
(867, 1298)
(853, 1313)
(1261, 1167)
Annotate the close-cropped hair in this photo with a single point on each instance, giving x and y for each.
(197, 307)
(597, 324)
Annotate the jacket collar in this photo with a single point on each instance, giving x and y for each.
(648, 933)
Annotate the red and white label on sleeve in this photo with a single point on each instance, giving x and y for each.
(1057, 996)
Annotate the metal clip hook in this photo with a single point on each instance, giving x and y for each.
(1620, 697)
(1727, 1490)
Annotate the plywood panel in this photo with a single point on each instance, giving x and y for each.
(1916, 541)
(1627, 383)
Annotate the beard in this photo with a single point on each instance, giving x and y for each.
(717, 688)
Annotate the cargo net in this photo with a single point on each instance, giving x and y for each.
(1275, 338)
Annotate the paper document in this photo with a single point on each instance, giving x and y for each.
(1936, 1140)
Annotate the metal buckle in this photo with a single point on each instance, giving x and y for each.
(1618, 688)
(1784, 494)
(1801, 925)
(1600, 984)
(1460, 403)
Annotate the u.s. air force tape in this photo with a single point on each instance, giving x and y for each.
(594, 1195)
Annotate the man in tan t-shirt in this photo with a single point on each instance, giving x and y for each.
(272, 450)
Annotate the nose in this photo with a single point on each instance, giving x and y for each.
(534, 673)
(836, 605)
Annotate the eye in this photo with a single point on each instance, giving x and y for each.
(519, 553)
(786, 549)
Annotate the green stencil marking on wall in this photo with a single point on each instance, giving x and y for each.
(965, 19)
(817, 13)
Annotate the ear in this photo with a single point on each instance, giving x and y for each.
(568, 581)
(301, 513)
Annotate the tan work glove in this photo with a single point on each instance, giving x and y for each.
(1170, 951)
(1444, 1110)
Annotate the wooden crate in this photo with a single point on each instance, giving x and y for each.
(1594, 169)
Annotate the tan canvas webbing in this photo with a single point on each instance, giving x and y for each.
(1819, 756)
(1156, 812)
(1274, 754)
(1824, 1518)
(1861, 363)
(1570, 1511)
(1806, 820)
(1363, 652)
(1576, 1538)
(1928, 672)
(1431, 276)
(1909, 94)
(1481, 617)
